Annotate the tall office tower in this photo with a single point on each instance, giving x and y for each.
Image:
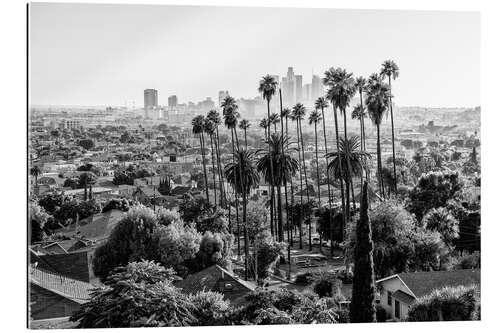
(306, 92)
(317, 87)
(222, 94)
(298, 88)
(150, 98)
(172, 101)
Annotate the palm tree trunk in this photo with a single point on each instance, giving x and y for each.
(219, 169)
(290, 225)
(317, 174)
(202, 141)
(272, 171)
(379, 163)
(348, 179)
(246, 141)
(307, 185)
(328, 181)
(245, 231)
(236, 203)
(301, 190)
(393, 147)
(213, 170)
(340, 167)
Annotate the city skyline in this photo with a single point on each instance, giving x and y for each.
(113, 61)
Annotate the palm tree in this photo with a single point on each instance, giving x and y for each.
(209, 128)
(298, 114)
(264, 124)
(285, 113)
(321, 104)
(284, 166)
(359, 113)
(267, 87)
(244, 125)
(360, 85)
(231, 115)
(314, 118)
(35, 172)
(391, 70)
(198, 124)
(214, 117)
(275, 119)
(349, 156)
(377, 102)
(242, 175)
(329, 80)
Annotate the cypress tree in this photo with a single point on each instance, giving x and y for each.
(362, 308)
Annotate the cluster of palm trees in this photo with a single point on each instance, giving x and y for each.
(278, 166)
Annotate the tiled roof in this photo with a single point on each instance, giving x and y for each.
(423, 283)
(77, 291)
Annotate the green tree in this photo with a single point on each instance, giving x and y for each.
(362, 307)
(209, 128)
(86, 144)
(35, 171)
(214, 117)
(242, 175)
(391, 70)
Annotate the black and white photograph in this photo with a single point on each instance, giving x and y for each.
(218, 165)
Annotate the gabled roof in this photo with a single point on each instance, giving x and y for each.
(423, 283)
(77, 291)
(402, 296)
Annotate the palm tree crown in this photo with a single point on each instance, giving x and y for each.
(244, 124)
(214, 117)
(377, 99)
(321, 103)
(314, 117)
(348, 151)
(389, 69)
(275, 118)
(230, 113)
(285, 113)
(359, 112)
(341, 87)
(242, 173)
(360, 84)
(298, 112)
(267, 87)
(284, 165)
(198, 124)
(263, 123)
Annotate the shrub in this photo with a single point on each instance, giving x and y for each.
(381, 314)
(469, 261)
(210, 308)
(447, 304)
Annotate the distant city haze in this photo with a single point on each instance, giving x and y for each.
(88, 54)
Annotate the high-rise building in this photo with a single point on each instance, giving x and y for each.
(172, 101)
(222, 94)
(306, 92)
(317, 87)
(150, 98)
(298, 88)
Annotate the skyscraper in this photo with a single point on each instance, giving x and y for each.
(317, 87)
(172, 101)
(150, 98)
(222, 94)
(298, 88)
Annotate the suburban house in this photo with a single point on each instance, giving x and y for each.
(399, 291)
(53, 295)
(216, 278)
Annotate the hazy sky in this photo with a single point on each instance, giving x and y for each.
(88, 54)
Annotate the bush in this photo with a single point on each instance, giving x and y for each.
(447, 304)
(210, 308)
(120, 204)
(381, 314)
(469, 261)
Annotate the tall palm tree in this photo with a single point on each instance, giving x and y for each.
(321, 104)
(264, 124)
(329, 80)
(391, 70)
(244, 125)
(360, 85)
(285, 113)
(359, 113)
(314, 119)
(35, 172)
(209, 128)
(231, 115)
(267, 87)
(198, 124)
(377, 103)
(274, 120)
(284, 166)
(214, 117)
(242, 175)
(298, 114)
(348, 155)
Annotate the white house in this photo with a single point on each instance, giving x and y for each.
(399, 291)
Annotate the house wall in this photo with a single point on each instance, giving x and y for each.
(45, 304)
(393, 285)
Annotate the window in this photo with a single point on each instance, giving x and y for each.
(397, 309)
(389, 298)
